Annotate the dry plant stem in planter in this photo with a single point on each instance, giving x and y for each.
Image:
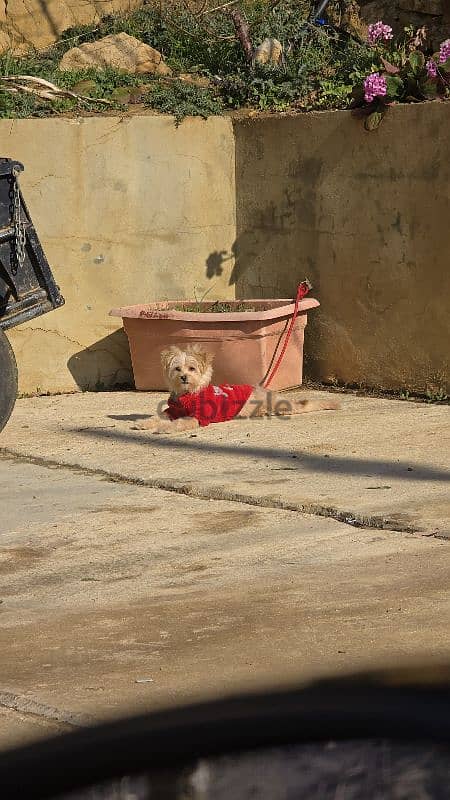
(245, 344)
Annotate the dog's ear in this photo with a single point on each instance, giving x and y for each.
(205, 357)
(209, 357)
(168, 355)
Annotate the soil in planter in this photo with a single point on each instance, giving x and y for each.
(217, 307)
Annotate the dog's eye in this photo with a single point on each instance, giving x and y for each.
(191, 369)
(177, 369)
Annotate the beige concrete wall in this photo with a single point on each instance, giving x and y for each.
(128, 210)
(367, 217)
(38, 23)
(134, 209)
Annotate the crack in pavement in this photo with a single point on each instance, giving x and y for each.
(32, 708)
(346, 517)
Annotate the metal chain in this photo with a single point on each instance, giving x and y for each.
(19, 224)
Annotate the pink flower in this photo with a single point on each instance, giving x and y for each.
(378, 31)
(444, 51)
(431, 68)
(374, 86)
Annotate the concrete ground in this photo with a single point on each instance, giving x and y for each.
(139, 571)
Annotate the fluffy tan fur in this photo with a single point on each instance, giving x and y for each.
(186, 370)
(190, 370)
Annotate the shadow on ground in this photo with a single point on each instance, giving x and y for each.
(408, 471)
(129, 417)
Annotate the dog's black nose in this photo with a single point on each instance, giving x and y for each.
(184, 378)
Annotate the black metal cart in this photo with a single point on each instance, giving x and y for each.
(27, 287)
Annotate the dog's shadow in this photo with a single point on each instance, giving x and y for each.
(130, 417)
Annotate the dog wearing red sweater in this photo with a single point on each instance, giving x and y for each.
(196, 402)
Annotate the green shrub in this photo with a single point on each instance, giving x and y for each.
(322, 67)
(183, 100)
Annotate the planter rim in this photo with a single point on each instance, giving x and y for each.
(162, 310)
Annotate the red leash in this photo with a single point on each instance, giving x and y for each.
(302, 290)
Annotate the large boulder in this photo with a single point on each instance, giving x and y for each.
(36, 24)
(118, 50)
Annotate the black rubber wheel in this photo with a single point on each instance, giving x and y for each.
(401, 711)
(8, 380)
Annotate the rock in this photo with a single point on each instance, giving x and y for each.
(5, 42)
(118, 50)
(129, 94)
(432, 7)
(195, 80)
(35, 24)
(349, 19)
(269, 51)
(85, 88)
(375, 10)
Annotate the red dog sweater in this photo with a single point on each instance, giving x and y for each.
(212, 404)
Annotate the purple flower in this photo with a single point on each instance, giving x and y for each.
(378, 31)
(431, 68)
(444, 51)
(374, 86)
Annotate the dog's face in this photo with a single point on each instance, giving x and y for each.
(187, 370)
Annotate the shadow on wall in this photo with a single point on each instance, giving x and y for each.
(106, 364)
(244, 251)
(341, 207)
(276, 243)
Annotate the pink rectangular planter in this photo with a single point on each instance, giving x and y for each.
(245, 343)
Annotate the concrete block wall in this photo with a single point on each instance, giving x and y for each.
(133, 209)
(128, 210)
(366, 217)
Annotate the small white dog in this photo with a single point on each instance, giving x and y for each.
(194, 401)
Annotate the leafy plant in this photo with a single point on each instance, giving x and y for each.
(322, 66)
(434, 395)
(401, 73)
(333, 94)
(183, 100)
